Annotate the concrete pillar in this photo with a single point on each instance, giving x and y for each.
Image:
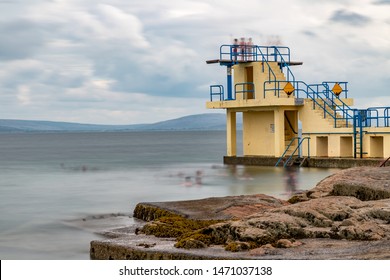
(231, 133)
(279, 132)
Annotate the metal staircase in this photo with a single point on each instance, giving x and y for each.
(295, 157)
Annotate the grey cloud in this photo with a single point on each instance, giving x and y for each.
(65, 80)
(309, 33)
(350, 18)
(134, 76)
(32, 72)
(382, 2)
(19, 39)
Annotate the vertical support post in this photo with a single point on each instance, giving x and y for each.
(229, 83)
(279, 132)
(231, 133)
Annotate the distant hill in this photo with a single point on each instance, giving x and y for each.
(192, 122)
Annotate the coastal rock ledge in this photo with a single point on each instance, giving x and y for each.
(345, 216)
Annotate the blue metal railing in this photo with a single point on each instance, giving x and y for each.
(329, 87)
(275, 53)
(232, 54)
(375, 116)
(247, 89)
(238, 53)
(284, 63)
(331, 106)
(359, 117)
(217, 90)
(341, 111)
(265, 60)
(300, 141)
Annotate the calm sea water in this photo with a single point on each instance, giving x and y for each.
(53, 184)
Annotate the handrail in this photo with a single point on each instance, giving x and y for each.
(237, 53)
(289, 123)
(358, 123)
(383, 164)
(258, 48)
(271, 52)
(374, 116)
(245, 91)
(331, 111)
(220, 92)
(343, 85)
(382, 115)
(285, 64)
(297, 148)
(233, 54)
(343, 109)
(285, 151)
(300, 141)
(329, 105)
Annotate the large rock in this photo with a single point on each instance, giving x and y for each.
(364, 183)
(328, 217)
(213, 208)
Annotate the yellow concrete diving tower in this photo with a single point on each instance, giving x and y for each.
(262, 87)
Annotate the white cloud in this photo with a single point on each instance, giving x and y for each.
(125, 62)
(23, 95)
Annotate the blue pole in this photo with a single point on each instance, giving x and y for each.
(229, 83)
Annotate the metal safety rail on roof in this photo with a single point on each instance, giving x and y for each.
(374, 116)
(237, 53)
(233, 54)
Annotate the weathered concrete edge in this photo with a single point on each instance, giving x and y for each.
(312, 162)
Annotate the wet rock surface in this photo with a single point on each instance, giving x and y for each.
(364, 183)
(345, 216)
(214, 208)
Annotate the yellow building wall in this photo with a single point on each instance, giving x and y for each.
(258, 133)
(258, 74)
(376, 142)
(376, 146)
(346, 146)
(325, 139)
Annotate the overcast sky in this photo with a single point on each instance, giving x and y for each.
(137, 61)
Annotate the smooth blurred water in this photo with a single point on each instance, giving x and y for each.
(49, 182)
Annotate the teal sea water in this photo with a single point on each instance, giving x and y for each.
(50, 183)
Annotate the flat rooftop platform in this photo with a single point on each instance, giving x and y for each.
(227, 61)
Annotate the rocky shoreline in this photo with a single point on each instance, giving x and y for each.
(345, 216)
